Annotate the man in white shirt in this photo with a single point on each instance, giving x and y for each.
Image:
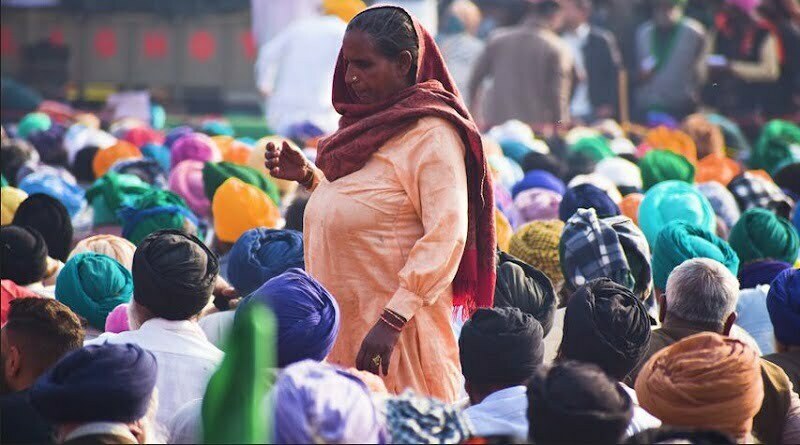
(500, 349)
(174, 275)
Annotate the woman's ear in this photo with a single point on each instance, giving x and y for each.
(403, 65)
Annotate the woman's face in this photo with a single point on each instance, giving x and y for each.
(371, 76)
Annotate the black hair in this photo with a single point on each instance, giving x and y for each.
(392, 31)
(545, 8)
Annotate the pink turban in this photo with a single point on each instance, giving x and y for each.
(117, 320)
(186, 179)
(196, 146)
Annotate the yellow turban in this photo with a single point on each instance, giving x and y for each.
(118, 248)
(344, 9)
(11, 199)
(88, 120)
(704, 381)
(233, 151)
(256, 161)
(536, 243)
(672, 140)
(504, 230)
(238, 207)
(106, 157)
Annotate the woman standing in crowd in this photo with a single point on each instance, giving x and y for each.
(400, 224)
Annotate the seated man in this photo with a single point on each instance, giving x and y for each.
(499, 348)
(784, 311)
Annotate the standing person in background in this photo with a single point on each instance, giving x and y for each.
(460, 45)
(784, 16)
(670, 52)
(597, 64)
(531, 69)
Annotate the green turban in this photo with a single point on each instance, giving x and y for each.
(153, 211)
(32, 123)
(214, 174)
(663, 165)
(596, 148)
(778, 144)
(679, 241)
(674, 200)
(760, 235)
(92, 285)
(110, 192)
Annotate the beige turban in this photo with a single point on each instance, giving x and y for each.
(118, 248)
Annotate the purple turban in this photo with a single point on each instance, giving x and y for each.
(540, 179)
(186, 180)
(175, 134)
(760, 272)
(536, 204)
(196, 146)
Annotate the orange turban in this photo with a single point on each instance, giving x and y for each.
(717, 167)
(256, 161)
(704, 381)
(672, 140)
(707, 137)
(232, 150)
(629, 206)
(238, 207)
(106, 157)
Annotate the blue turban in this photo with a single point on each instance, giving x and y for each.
(515, 150)
(307, 314)
(540, 179)
(261, 254)
(49, 144)
(101, 383)
(674, 200)
(69, 194)
(160, 153)
(783, 304)
(586, 196)
(760, 272)
(175, 134)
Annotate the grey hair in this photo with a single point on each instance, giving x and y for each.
(702, 290)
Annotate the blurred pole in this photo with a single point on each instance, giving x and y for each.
(624, 105)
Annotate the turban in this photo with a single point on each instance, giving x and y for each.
(256, 161)
(620, 171)
(82, 166)
(576, 134)
(623, 146)
(92, 285)
(538, 179)
(675, 141)
(47, 215)
(595, 148)
(176, 133)
(506, 171)
(10, 291)
(173, 274)
(80, 136)
(216, 174)
(307, 314)
(3, 181)
(703, 381)
(500, 346)
(501, 224)
(598, 181)
(344, 9)
(32, 123)
(578, 403)
(512, 130)
(760, 234)
(318, 403)
(112, 383)
(674, 200)
(629, 206)
(521, 286)
(505, 203)
(30, 168)
(108, 156)
(261, 254)
(760, 272)
(186, 179)
(49, 144)
(88, 119)
(735, 141)
(536, 243)
(606, 325)
(141, 136)
(662, 165)
(24, 255)
(423, 420)
(754, 191)
(679, 241)
(586, 196)
(515, 150)
(195, 146)
(156, 210)
(68, 193)
(213, 127)
(707, 136)
(158, 153)
(10, 198)
(14, 154)
(238, 207)
(783, 304)
(115, 247)
(546, 162)
(612, 247)
(117, 320)
(787, 177)
(536, 204)
(717, 167)
(146, 169)
(232, 150)
(120, 126)
(722, 201)
(110, 192)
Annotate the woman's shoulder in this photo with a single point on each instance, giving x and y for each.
(429, 133)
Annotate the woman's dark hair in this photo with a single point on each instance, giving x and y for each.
(392, 31)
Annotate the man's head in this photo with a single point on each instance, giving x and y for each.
(24, 256)
(550, 12)
(667, 13)
(38, 333)
(784, 310)
(701, 291)
(576, 13)
(500, 348)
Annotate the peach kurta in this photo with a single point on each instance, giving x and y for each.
(391, 235)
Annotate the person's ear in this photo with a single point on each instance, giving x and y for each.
(726, 329)
(662, 307)
(12, 364)
(403, 65)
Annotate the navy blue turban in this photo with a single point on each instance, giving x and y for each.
(262, 254)
(308, 315)
(783, 304)
(586, 196)
(101, 383)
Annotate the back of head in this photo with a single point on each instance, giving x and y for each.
(392, 31)
(606, 325)
(572, 402)
(173, 274)
(702, 290)
(544, 8)
(24, 257)
(522, 286)
(500, 347)
(49, 216)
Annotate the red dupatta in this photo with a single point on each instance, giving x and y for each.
(364, 128)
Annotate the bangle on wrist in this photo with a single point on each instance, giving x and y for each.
(308, 179)
(393, 314)
(391, 325)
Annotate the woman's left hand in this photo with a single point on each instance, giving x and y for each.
(376, 349)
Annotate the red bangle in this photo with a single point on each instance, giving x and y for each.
(396, 328)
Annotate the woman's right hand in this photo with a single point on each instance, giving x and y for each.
(286, 162)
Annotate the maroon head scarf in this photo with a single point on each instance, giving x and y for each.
(364, 128)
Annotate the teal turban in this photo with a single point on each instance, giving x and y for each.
(679, 241)
(662, 165)
(778, 144)
(760, 235)
(92, 285)
(674, 200)
(32, 123)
